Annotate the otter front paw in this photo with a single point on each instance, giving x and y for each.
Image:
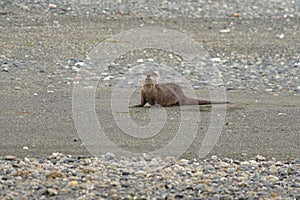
(136, 106)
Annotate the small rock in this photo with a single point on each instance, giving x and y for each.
(18, 88)
(269, 90)
(108, 78)
(114, 183)
(52, 192)
(230, 170)
(115, 196)
(273, 169)
(225, 31)
(110, 156)
(183, 162)
(230, 88)
(125, 173)
(260, 158)
(80, 64)
(73, 183)
(26, 8)
(153, 162)
(140, 61)
(88, 87)
(224, 165)
(214, 157)
(8, 157)
(170, 159)
(4, 69)
(243, 184)
(280, 36)
(235, 15)
(282, 171)
(179, 196)
(279, 114)
(140, 173)
(75, 69)
(215, 59)
(68, 160)
(272, 179)
(113, 191)
(55, 174)
(52, 6)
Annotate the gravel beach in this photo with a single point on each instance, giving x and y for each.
(43, 50)
(108, 177)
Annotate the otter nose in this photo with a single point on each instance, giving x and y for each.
(148, 76)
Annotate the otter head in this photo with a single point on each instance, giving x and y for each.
(149, 77)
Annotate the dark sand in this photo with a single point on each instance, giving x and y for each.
(37, 125)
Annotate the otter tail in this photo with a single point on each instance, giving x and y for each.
(190, 101)
(204, 102)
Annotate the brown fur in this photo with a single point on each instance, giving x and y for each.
(166, 94)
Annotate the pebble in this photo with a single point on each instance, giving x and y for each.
(269, 90)
(75, 69)
(52, 6)
(80, 64)
(283, 114)
(225, 31)
(280, 36)
(51, 192)
(260, 158)
(108, 78)
(183, 162)
(5, 69)
(8, 157)
(215, 59)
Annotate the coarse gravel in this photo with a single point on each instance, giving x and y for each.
(78, 177)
